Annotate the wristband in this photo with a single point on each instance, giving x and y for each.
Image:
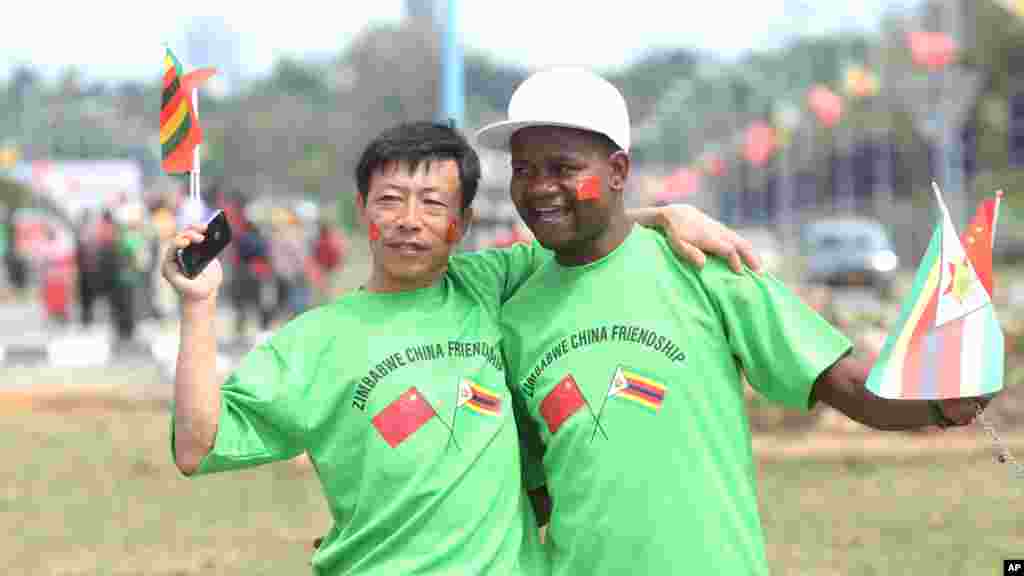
(939, 417)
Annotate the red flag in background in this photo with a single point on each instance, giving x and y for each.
(563, 401)
(978, 238)
(932, 50)
(680, 184)
(760, 143)
(402, 417)
(826, 105)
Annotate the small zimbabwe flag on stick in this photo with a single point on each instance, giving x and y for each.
(180, 133)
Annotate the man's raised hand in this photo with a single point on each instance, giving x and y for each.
(200, 288)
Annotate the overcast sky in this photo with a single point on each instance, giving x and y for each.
(120, 39)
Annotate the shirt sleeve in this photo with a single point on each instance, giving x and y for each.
(260, 416)
(501, 271)
(782, 344)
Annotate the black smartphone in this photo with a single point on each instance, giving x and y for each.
(193, 258)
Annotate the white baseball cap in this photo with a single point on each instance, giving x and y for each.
(566, 97)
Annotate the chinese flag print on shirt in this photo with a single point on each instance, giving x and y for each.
(407, 414)
(563, 401)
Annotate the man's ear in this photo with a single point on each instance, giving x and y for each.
(466, 224)
(361, 209)
(619, 171)
(459, 227)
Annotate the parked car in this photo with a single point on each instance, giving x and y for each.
(850, 252)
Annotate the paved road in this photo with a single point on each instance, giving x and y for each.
(28, 343)
(35, 354)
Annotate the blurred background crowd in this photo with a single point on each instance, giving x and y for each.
(103, 267)
(815, 133)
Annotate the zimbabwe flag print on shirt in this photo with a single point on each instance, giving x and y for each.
(478, 399)
(642, 390)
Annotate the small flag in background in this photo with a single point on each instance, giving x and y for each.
(478, 398)
(180, 132)
(947, 343)
(564, 400)
(401, 418)
(630, 385)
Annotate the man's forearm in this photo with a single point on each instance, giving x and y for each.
(843, 387)
(541, 502)
(196, 391)
(646, 217)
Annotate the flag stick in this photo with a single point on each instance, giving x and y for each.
(455, 414)
(194, 174)
(451, 431)
(597, 417)
(995, 215)
(938, 196)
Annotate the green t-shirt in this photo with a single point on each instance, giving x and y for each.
(132, 250)
(401, 402)
(629, 368)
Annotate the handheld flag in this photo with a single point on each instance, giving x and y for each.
(979, 237)
(948, 342)
(180, 132)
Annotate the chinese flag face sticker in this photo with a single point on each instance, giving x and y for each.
(452, 235)
(564, 400)
(402, 417)
(589, 188)
(374, 232)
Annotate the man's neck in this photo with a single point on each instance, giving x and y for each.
(384, 283)
(599, 247)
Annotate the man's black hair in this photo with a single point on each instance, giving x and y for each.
(609, 144)
(413, 143)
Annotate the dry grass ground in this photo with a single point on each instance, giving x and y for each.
(90, 489)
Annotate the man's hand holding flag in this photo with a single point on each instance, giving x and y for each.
(948, 346)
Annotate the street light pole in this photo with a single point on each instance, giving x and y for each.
(789, 184)
(882, 193)
(952, 154)
(452, 69)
